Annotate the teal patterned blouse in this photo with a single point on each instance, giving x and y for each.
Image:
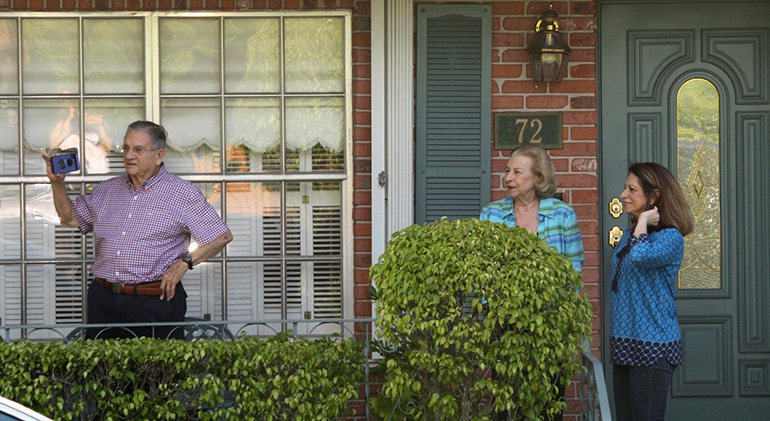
(558, 225)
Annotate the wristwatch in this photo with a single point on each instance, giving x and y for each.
(188, 259)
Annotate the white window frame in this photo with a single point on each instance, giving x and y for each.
(152, 112)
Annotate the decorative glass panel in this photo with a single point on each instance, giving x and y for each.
(113, 56)
(315, 121)
(189, 56)
(698, 173)
(253, 126)
(194, 131)
(252, 55)
(53, 56)
(9, 137)
(9, 60)
(315, 54)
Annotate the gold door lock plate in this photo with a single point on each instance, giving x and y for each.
(615, 235)
(616, 208)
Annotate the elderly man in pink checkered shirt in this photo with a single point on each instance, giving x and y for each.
(142, 223)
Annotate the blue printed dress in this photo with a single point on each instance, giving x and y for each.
(644, 327)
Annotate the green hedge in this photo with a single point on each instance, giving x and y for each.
(476, 319)
(278, 378)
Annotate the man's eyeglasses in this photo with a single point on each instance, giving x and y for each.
(137, 149)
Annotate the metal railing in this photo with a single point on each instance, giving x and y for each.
(194, 329)
(592, 389)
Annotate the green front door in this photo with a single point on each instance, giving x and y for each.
(687, 84)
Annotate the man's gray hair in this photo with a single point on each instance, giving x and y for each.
(157, 133)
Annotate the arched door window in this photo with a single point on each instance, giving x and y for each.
(698, 145)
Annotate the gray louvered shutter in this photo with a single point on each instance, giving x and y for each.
(454, 59)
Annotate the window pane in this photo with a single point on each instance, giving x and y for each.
(252, 127)
(105, 124)
(252, 55)
(204, 291)
(189, 55)
(113, 56)
(68, 284)
(213, 194)
(41, 304)
(9, 60)
(313, 219)
(315, 121)
(255, 292)
(53, 56)
(194, 141)
(9, 137)
(326, 283)
(698, 173)
(315, 54)
(48, 123)
(254, 217)
(10, 288)
(10, 222)
(46, 238)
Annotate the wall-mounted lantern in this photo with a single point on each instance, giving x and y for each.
(548, 52)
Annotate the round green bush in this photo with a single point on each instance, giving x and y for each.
(475, 318)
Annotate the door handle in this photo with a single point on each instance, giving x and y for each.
(615, 235)
(615, 208)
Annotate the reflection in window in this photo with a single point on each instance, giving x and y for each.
(9, 137)
(698, 163)
(9, 38)
(52, 45)
(315, 51)
(113, 61)
(189, 55)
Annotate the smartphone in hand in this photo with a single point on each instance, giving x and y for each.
(65, 162)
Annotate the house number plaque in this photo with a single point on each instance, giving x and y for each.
(518, 129)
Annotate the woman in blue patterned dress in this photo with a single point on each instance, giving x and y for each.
(645, 343)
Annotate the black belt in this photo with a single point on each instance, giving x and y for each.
(152, 288)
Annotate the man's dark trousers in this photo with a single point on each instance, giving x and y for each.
(107, 307)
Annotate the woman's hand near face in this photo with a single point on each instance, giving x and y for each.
(647, 218)
(651, 216)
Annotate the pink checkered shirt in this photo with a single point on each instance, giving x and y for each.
(139, 233)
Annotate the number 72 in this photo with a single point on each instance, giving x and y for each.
(534, 123)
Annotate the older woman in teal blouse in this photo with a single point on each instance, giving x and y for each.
(531, 184)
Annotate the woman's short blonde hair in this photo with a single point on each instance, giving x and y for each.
(542, 167)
